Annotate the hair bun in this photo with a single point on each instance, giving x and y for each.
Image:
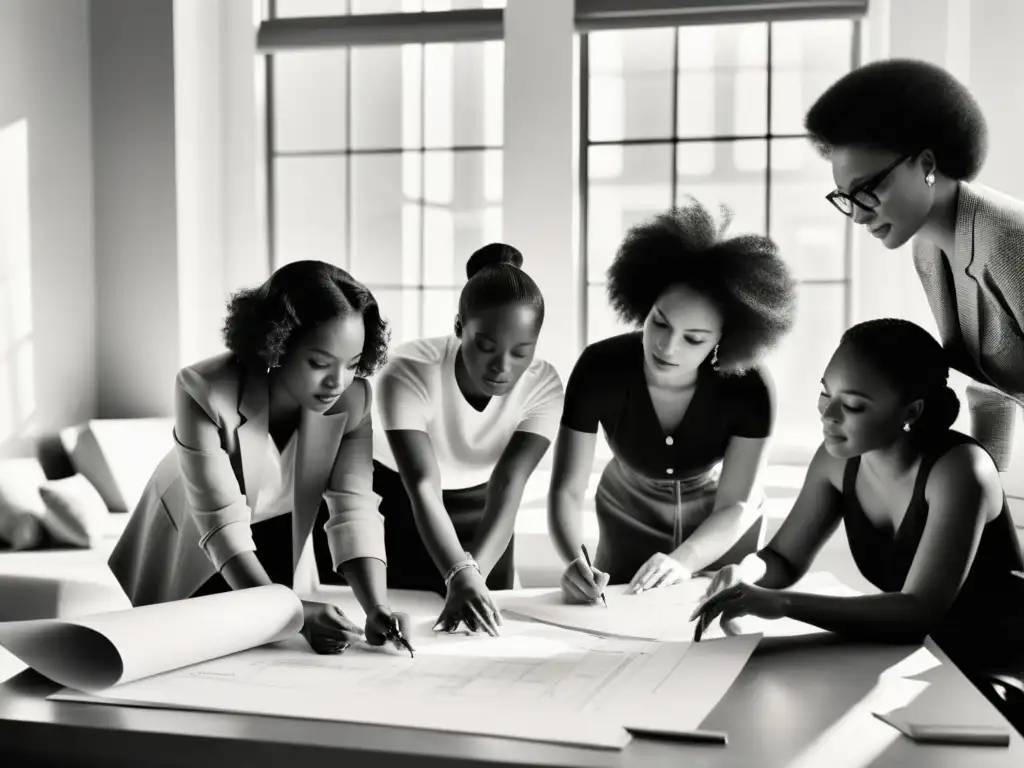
(493, 255)
(947, 405)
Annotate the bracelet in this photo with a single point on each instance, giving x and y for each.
(469, 562)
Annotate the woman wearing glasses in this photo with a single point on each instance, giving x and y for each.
(905, 138)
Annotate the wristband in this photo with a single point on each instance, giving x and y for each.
(469, 562)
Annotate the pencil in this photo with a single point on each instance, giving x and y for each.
(586, 557)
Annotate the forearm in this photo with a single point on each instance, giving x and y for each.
(885, 618)
(436, 529)
(564, 522)
(244, 571)
(498, 524)
(715, 536)
(769, 569)
(368, 578)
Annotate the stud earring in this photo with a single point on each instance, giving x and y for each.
(930, 178)
(906, 426)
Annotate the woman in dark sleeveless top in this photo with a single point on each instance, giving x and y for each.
(925, 515)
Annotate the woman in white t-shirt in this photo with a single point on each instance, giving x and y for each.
(466, 418)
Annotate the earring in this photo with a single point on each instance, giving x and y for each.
(906, 426)
(714, 357)
(930, 178)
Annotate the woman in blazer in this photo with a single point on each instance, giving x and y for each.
(905, 138)
(263, 435)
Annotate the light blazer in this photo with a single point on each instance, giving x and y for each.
(977, 293)
(195, 512)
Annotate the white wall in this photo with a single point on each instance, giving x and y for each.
(47, 279)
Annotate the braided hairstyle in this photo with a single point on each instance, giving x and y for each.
(263, 322)
(495, 278)
(915, 363)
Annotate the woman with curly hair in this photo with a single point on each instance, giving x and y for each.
(466, 419)
(273, 446)
(686, 409)
(925, 515)
(905, 139)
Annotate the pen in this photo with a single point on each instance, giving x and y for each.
(399, 640)
(586, 557)
(706, 737)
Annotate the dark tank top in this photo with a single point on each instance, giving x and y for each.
(992, 591)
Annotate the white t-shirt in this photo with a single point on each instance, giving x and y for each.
(417, 390)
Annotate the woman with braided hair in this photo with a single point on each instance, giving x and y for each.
(685, 405)
(925, 515)
(465, 418)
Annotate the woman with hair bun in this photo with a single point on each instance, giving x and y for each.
(925, 515)
(466, 418)
(906, 139)
(272, 460)
(684, 403)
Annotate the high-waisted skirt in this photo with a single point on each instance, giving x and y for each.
(638, 516)
(273, 540)
(409, 563)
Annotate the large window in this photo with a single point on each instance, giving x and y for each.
(716, 113)
(386, 160)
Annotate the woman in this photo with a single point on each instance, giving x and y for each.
(905, 138)
(683, 403)
(924, 512)
(264, 433)
(466, 419)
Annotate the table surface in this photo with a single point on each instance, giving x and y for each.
(798, 707)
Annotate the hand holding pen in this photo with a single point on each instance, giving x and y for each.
(582, 583)
(383, 626)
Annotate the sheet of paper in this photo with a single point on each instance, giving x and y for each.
(94, 652)
(534, 682)
(657, 614)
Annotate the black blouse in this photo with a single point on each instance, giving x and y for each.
(607, 387)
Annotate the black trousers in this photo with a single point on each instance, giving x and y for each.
(409, 564)
(273, 539)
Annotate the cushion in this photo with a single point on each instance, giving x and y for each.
(75, 512)
(21, 507)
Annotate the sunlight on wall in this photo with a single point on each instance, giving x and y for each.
(17, 383)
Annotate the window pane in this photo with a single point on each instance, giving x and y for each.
(309, 100)
(385, 221)
(386, 105)
(463, 91)
(810, 233)
(288, 8)
(631, 85)
(401, 307)
(440, 306)
(736, 179)
(807, 57)
(602, 322)
(798, 363)
(460, 213)
(627, 185)
(311, 210)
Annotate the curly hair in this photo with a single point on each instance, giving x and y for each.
(914, 363)
(495, 277)
(905, 106)
(263, 322)
(743, 276)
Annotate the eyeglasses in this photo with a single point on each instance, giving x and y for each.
(863, 195)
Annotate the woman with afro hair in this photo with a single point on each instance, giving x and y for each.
(686, 409)
(905, 139)
(273, 447)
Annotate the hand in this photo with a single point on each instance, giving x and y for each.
(470, 601)
(582, 583)
(326, 628)
(660, 570)
(382, 625)
(724, 578)
(743, 599)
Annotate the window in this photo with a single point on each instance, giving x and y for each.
(387, 161)
(716, 113)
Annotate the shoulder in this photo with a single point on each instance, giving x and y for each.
(213, 383)
(543, 375)
(416, 359)
(613, 351)
(966, 468)
(1000, 216)
(755, 385)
